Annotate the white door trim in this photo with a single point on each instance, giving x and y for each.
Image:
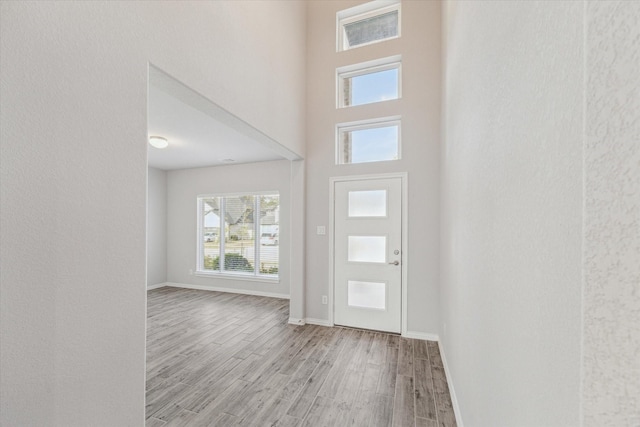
(404, 177)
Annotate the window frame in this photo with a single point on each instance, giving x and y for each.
(364, 125)
(364, 68)
(222, 273)
(360, 13)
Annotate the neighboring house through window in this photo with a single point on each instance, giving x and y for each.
(239, 234)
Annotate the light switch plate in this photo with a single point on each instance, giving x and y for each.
(321, 230)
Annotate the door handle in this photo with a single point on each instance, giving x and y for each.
(395, 263)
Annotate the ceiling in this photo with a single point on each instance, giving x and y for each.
(201, 133)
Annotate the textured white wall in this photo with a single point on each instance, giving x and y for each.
(156, 226)
(512, 210)
(184, 186)
(420, 111)
(611, 325)
(73, 167)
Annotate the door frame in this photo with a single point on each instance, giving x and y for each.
(404, 180)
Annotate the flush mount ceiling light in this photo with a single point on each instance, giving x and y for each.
(158, 142)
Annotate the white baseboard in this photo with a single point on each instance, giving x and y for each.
(421, 336)
(452, 392)
(324, 322)
(228, 290)
(309, 321)
(156, 286)
(320, 322)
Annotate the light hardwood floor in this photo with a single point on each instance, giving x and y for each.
(218, 359)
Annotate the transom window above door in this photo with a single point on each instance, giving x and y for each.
(368, 141)
(368, 23)
(369, 82)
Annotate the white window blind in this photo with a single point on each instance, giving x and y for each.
(368, 23)
(239, 234)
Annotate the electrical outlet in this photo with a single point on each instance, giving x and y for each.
(324, 299)
(321, 230)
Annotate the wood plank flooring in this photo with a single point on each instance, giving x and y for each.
(219, 359)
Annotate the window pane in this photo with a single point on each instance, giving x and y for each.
(236, 238)
(269, 234)
(371, 87)
(211, 233)
(371, 29)
(367, 249)
(368, 203)
(366, 294)
(368, 145)
(239, 249)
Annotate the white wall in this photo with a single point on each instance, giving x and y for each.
(183, 188)
(512, 210)
(73, 167)
(156, 226)
(611, 298)
(420, 111)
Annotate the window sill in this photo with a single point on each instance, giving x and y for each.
(246, 278)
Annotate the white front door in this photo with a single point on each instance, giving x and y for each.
(368, 254)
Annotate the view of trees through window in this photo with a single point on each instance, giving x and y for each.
(240, 234)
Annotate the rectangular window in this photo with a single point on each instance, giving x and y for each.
(368, 23)
(368, 141)
(366, 84)
(239, 234)
(210, 220)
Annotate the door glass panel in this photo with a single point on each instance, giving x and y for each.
(366, 294)
(367, 249)
(368, 203)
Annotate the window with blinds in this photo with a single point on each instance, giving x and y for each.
(368, 23)
(239, 234)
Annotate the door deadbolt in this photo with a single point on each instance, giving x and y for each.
(396, 252)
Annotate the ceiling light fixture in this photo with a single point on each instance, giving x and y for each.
(158, 142)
